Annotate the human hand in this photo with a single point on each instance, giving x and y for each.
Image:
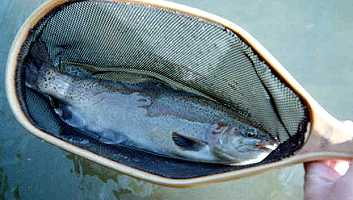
(329, 179)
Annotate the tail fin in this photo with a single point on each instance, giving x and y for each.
(39, 54)
(38, 58)
(31, 75)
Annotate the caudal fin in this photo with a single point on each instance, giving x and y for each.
(38, 59)
(39, 54)
(31, 75)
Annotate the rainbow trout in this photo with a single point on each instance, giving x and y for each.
(151, 116)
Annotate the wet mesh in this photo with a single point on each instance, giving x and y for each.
(105, 39)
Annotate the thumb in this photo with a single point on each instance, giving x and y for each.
(319, 178)
(320, 171)
(343, 188)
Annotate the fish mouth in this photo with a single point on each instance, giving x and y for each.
(267, 146)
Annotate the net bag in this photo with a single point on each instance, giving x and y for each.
(104, 38)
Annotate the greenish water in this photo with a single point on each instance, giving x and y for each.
(312, 39)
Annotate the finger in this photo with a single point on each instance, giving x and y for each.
(340, 166)
(343, 186)
(319, 178)
(330, 163)
(319, 171)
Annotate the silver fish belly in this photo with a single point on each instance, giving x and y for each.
(152, 116)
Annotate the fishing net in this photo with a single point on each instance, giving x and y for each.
(103, 39)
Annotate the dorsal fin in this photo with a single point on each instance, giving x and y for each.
(187, 143)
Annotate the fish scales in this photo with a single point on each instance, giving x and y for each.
(151, 115)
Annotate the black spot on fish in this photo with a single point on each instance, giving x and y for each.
(187, 143)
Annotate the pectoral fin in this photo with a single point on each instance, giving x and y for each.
(187, 143)
(111, 137)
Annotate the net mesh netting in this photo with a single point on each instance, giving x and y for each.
(100, 36)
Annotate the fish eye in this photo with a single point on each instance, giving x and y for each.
(251, 133)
